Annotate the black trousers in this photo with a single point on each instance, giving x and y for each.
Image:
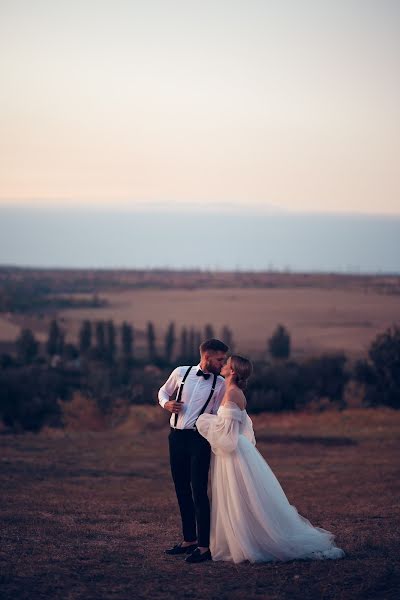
(190, 454)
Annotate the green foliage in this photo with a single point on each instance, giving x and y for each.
(292, 385)
(71, 352)
(326, 375)
(190, 340)
(41, 293)
(6, 360)
(193, 351)
(227, 338)
(100, 335)
(184, 347)
(170, 340)
(28, 397)
(279, 343)
(30, 387)
(21, 296)
(85, 337)
(151, 341)
(209, 332)
(55, 340)
(364, 372)
(381, 372)
(110, 342)
(275, 388)
(27, 346)
(127, 339)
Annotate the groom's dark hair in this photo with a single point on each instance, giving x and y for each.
(213, 345)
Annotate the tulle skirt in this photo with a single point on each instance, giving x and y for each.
(251, 517)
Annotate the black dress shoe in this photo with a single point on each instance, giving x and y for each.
(197, 556)
(179, 549)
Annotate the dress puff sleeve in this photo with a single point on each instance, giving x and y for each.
(221, 430)
(248, 430)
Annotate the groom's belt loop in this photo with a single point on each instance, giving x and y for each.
(178, 398)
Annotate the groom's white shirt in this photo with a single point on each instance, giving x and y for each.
(195, 392)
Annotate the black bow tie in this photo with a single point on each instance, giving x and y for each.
(205, 375)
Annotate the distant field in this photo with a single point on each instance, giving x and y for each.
(318, 319)
(323, 312)
(87, 515)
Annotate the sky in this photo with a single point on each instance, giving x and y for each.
(83, 238)
(249, 106)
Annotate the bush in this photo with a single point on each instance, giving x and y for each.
(275, 388)
(381, 371)
(326, 376)
(28, 397)
(82, 413)
(279, 343)
(27, 346)
(292, 385)
(6, 360)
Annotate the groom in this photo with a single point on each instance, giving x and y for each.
(200, 388)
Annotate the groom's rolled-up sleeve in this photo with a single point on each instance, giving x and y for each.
(168, 388)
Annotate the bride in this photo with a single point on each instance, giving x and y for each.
(251, 518)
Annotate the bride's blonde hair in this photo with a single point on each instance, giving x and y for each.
(243, 369)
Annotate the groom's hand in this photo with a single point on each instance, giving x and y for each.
(173, 406)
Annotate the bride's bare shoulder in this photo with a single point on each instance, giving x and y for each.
(234, 394)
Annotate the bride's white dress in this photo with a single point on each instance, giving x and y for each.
(251, 517)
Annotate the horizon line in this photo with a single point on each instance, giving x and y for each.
(190, 208)
(216, 270)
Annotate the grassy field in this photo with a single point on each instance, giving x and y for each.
(88, 515)
(318, 319)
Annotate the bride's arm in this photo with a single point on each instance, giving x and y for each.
(221, 431)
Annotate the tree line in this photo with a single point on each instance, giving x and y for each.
(104, 364)
(102, 340)
(29, 294)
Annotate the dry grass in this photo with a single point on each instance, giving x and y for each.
(88, 515)
(319, 319)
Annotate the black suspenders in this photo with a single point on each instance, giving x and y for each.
(178, 398)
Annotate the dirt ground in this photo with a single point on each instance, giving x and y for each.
(88, 515)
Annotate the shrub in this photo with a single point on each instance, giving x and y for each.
(292, 385)
(381, 371)
(82, 413)
(279, 343)
(28, 397)
(27, 346)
